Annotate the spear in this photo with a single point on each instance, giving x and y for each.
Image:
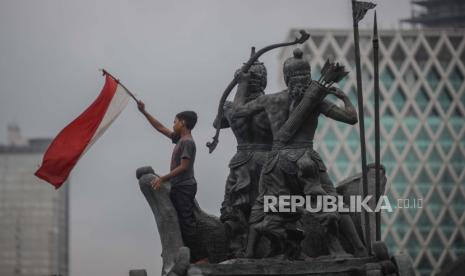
(377, 134)
(359, 10)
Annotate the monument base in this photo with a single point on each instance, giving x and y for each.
(399, 264)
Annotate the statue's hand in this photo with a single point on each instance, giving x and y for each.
(242, 77)
(337, 92)
(141, 106)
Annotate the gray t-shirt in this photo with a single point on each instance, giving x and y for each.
(184, 149)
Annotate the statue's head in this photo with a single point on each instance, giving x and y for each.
(296, 66)
(258, 75)
(297, 73)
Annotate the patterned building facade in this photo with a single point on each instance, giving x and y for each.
(33, 215)
(422, 106)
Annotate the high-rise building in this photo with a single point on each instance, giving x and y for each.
(33, 215)
(438, 13)
(422, 106)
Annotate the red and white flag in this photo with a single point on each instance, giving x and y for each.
(77, 137)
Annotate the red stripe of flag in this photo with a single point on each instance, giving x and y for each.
(68, 146)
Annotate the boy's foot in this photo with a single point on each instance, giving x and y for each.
(202, 261)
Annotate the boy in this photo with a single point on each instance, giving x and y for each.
(181, 175)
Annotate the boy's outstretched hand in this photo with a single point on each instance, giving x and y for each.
(141, 105)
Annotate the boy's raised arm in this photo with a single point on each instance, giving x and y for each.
(154, 122)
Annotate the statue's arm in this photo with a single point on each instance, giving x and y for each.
(250, 108)
(242, 107)
(227, 112)
(346, 114)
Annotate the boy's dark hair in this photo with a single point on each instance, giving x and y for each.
(189, 117)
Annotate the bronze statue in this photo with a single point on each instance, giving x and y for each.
(293, 167)
(254, 139)
(275, 156)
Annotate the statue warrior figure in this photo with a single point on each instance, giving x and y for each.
(293, 167)
(254, 139)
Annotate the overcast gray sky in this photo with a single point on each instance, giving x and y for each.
(175, 55)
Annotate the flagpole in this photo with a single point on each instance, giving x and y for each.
(361, 122)
(377, 125)
(105, 72)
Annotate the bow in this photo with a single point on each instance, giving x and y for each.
(299, 40)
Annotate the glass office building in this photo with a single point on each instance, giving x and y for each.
(422, 106)
(438, 13)
(33, 215)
